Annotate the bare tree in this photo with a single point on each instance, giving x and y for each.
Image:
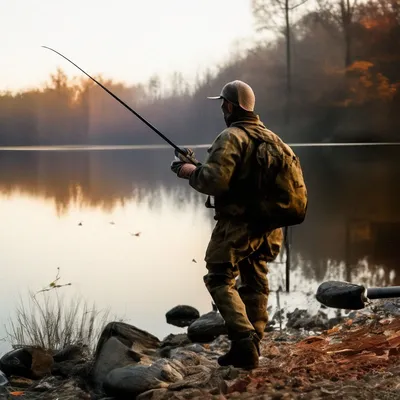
(276, 15)
(342, 12)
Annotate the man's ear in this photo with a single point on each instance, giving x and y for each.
(230, 107)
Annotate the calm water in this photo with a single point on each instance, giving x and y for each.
(351, 231)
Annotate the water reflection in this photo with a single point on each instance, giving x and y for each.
(351, 231)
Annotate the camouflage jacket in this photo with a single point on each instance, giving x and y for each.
(225, 175)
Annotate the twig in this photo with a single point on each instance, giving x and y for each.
(278, 303)
(53, 285)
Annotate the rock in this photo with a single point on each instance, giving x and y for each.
(221, 344)
(113, 354)
(295, 318)
(207, 328)
(171, 342)
(195, 347)
(132, 380)
(3, 379)
(135, 338)
(178, 340)
(334, 321)
(138, 340)
(17, 362)
(229, 373)
(50, 383)
(27, 362)
(120, 345)
(391, 308)
(42, 362)
(70, 368)
(301, 319)
(71, 352)
(182, 315)
(270, 327)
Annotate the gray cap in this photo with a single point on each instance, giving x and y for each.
(238, 93)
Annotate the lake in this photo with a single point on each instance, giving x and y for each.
(80, 211)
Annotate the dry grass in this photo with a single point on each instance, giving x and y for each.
(50, 321)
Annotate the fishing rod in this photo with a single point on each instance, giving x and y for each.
(179, 150)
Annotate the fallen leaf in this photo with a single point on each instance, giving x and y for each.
(333, 330)
(311, 340)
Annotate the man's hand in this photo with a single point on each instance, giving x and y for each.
(182, 169)
(190, 156)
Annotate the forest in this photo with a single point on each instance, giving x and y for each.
(331, 73)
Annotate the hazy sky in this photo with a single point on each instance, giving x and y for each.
(122, 39)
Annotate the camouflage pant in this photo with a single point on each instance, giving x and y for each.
(243, 306)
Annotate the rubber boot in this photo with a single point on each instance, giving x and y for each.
(243, 353)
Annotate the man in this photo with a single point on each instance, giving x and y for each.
(239, 245)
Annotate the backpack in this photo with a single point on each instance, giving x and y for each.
(280, 196)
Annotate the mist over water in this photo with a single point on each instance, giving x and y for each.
(351, 230)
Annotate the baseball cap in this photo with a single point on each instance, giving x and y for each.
(238, 93)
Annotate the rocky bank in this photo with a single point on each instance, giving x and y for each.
(352, 357)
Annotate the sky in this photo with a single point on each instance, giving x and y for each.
(127, 40)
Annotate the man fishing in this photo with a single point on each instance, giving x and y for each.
(240, 244)
(257, 185)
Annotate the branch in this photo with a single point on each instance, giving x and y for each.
(351, 11)
(53, 285)
(298, 5)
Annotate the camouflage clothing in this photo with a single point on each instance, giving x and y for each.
(243, 308)
(226, 175)
(238, 245)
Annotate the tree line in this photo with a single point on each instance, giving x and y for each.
(330, 73)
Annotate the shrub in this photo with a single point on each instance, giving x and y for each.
(49, 321)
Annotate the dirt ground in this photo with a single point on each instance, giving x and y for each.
(357, 359)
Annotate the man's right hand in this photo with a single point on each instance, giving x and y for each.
(189, 156)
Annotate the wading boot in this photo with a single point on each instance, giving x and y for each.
(244, 353)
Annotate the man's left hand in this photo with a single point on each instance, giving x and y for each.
(182, 169)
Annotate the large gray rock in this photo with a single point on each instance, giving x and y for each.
(182, 315)
(138, 340)
(185, 371)
(121, 345)
(131, 380)
(113, 354)
(135, 379)
(207, 328)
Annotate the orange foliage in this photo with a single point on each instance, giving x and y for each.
(365, 85)
(381, 23)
